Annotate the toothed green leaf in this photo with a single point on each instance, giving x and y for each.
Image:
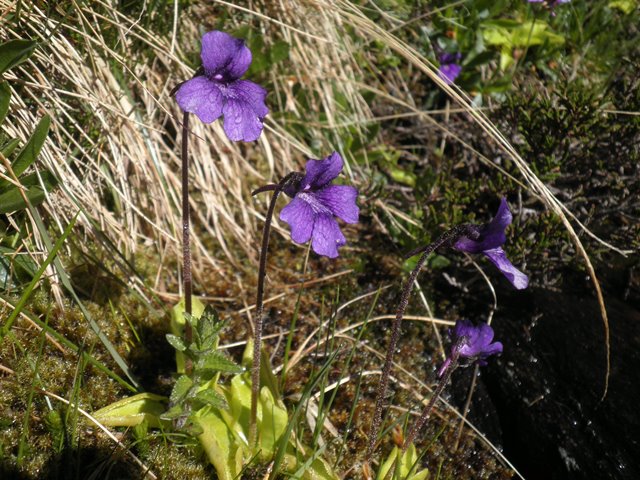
(176, 342)
(180, 389)
(213, 398)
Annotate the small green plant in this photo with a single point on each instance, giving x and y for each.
(405, 469)
(217, 412)
(18, 190)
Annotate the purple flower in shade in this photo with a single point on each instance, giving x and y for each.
(488, 239)
(449, 67)
(471, 342)
(219, 91)
(315, 204)
(551, 4)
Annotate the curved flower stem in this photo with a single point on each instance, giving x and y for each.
(257, 334)
(186, 249)
(447, 238)
(445, 374)
(444, 379)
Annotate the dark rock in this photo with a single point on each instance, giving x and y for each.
(548, 384)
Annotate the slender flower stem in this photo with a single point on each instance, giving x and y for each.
(186, 249)
(447, 238)
(445, 374)
(257, 334)
(444, 379)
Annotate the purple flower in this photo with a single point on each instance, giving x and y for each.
(449, 68)
(471, 342)
(219, 91)
(315, 204)
(488, 239)
(551, 4)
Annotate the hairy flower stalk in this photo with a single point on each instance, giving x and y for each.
(186, 248)
(216, 90)
(262, 269)
(449, 367)
(487, 239)
(311, 215)
(471, 343)
(448, 238)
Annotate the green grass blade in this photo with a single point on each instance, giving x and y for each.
(5, 96)
(9, 147)
(31, 150)
(307, 465)
(292, 329)
(66, 282)
(306, 393)
(12, 199)
(27, 293)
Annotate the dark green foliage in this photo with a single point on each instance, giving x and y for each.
(14, 266)
(13, 53)
(192, 391)
(577, 141)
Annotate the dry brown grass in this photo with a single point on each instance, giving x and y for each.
(112, 144)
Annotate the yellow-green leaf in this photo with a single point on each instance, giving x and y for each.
(132, 411)
(273, 424)
(224, 453)
(625, 6)
(178, 322)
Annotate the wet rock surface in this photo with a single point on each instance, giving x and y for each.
(548, 384)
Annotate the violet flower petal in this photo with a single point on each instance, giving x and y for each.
(499, 258)
(202, 97)
(463, 328)
(316, 203)
(244, 110)
(327, 237)
(493, 349)
(341, 200)
(300, 217)
(225, 58)
(491, 234)
(321, 172)
(449, 72)
(474, 342)
(447, 58)
(477, 340)
(251, 94)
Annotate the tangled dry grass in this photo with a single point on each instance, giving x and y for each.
(113, 142)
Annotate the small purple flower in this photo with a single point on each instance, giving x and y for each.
(551, 4)
(219, 91)
(489, 239)
(449, 67)
(471, 342)
(315, 204)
